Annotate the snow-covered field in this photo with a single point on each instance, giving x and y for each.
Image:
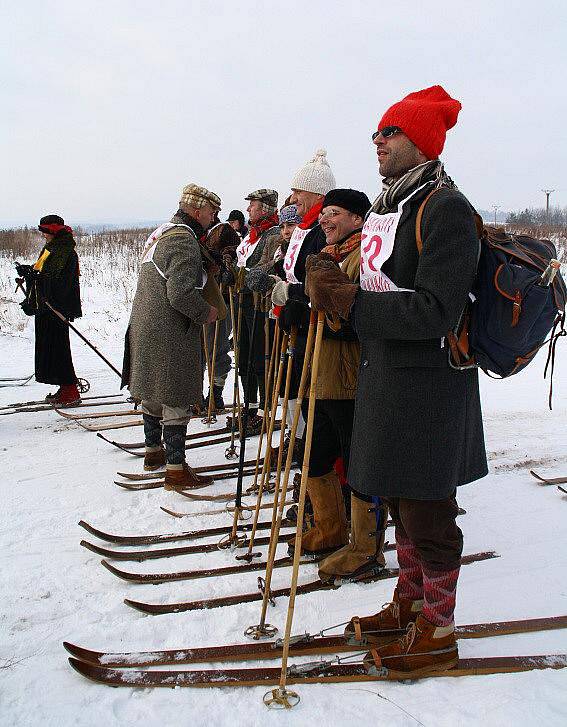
(55, 473)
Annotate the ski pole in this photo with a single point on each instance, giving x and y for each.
(268, 406)
(232, 538)
(210, 416)
(72, 327)
(263, 630)
(281, 696)
(267, 456)
(230, 452)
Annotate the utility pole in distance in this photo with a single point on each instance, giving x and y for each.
(547, 192)
(495, 207)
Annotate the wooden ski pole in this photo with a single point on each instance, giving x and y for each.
(268, 406)
(232, 540)
(211, 418)
(263, 630)
(267, 456)
(281, 697)
(230, 452)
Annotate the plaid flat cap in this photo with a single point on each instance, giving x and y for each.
(267, 196)
(195, 196)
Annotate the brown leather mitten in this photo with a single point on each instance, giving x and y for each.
(329, 289)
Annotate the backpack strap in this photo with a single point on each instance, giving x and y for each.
(418, 238)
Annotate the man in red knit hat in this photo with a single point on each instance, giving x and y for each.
(418, 431)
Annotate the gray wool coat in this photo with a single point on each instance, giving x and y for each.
(164, 334)
(418, 430)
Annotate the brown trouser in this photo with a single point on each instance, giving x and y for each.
(431, 526)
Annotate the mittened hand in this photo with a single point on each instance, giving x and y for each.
(329, 289)
(280, 293)
(259, 281)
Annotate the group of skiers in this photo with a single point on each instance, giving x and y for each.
(392, 418)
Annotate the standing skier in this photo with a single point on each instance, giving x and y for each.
(55, 278)
(163, 361)
(418, 424)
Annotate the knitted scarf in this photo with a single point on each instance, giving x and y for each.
(261, 226)
(311, 216)
(395, 190)
(341, 249)
(55, 253)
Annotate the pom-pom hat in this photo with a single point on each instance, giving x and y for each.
(315, 176)
(424, 117)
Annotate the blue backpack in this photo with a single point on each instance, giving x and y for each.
(508, 317)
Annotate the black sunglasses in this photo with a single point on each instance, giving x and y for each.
(386, 132)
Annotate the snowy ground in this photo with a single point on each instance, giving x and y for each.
(55, 473)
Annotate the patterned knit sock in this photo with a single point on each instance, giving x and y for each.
(410, 579)
(174, 438)
(439, 593)
(152, 432)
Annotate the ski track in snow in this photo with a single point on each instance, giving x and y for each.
(55, 474)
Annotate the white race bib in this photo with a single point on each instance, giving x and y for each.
(244, 250)
(376, 246)
(292, 253)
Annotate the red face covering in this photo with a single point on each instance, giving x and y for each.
(264, 224)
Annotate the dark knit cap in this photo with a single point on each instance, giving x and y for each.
(349, 199)
(236, 215)
(51, 220)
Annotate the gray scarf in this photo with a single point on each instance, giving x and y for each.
(394, 190)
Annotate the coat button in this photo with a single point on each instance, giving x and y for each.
(365, 363)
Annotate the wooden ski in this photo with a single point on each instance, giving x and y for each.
(549, 480)
(221, 467)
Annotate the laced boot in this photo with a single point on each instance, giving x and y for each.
(394, 617)
(363, 556)
(184, 478)
(291, 513)
(67, 395)
(154, 458)
(297, 451)
(50, 398)
(424, 649)
(330, 530)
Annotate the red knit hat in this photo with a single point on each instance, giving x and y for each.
(424, 117)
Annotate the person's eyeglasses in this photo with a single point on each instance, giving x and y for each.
(329, 213)
(386, 132)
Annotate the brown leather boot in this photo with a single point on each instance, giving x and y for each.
(363, 554)
(154, 459)
(185, 479)
(424, 649)
(387, 623)
(330, 530)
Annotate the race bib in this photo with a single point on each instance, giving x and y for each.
(292, 254)
(244, 250)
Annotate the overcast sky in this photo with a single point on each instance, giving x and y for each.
(109, 108)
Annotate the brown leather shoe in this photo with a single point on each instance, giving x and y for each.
(424, 649)
(394, 617)
(185, 479)
(154, 459)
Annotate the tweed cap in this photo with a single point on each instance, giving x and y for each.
(193, 195)
(269, 197)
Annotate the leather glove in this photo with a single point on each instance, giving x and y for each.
(294, 313)
(260, 281)
(280, 293)
(329, 289)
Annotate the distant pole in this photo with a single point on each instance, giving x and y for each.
(547, 192)
(495, 207)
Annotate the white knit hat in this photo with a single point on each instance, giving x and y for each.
(316, 176)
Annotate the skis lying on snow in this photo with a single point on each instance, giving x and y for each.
(166, 552)
(172, 537)
(318, 585)
(42, 405)
(106, 427)
(549, 480)
(127, 446)
(96, 415)
(153, 484)
(17, 381)
(302, 645)
(318, 672)
(221, 467)
(229, 570)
